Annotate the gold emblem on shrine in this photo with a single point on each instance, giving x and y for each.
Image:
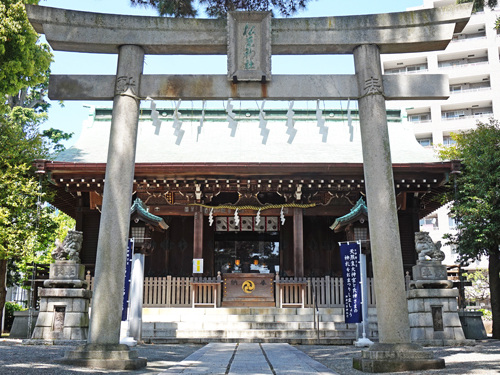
(248, 286)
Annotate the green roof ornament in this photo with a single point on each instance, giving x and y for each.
(139, 211)
(358, 212)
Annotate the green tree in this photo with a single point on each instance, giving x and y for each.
(480, 4)
(23, 62)
(219, 8)
(26, 224)
(475, 202)
(20, 265)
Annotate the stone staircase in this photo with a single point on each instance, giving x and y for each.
(203, 325)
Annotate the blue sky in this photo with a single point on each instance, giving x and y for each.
(71, 116)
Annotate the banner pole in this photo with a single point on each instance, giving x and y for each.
(364, 341)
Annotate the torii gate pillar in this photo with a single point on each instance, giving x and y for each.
(104, 330)
(394, 352)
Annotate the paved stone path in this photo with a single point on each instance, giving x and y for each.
(248, 359)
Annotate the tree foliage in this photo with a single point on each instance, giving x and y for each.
(476, 199)
(23, 62)
(475, 202)
(219, 8)
(27, 225)
(480, 4)
(57, 226)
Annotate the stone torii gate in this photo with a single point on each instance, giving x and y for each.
(248, 39)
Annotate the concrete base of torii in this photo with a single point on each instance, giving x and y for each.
(106, 356)
(396, 357)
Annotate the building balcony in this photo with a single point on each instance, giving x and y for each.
(468, 39)
(455, 65)
(399, 71)
(420, 121)
(465, 91)
(484, 114)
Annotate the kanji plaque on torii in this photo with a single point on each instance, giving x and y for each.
(248, 46)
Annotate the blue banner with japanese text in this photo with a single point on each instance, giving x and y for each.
(128, 272)
(350, 255)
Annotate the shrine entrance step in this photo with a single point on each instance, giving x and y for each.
(204, 325)
(247, 304)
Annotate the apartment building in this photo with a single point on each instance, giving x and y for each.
(473, 66)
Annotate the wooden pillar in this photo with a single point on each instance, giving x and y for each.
(79, 215)
(198, 236)
(298, 243)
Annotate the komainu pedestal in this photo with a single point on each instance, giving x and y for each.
(432, 304)
(64, 314)
(434, 319)
(64, 301)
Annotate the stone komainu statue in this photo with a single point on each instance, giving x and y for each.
(70, 248)
(426, 248)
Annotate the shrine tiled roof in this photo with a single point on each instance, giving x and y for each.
(212, 143)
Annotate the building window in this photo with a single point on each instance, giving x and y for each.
(429, 223)
(416, 68)
(419, 118)
(453, 114)
(425, 142)
(407, 69)
(448, 141)
(452, 223)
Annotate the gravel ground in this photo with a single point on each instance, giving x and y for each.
(484, 358)
(19, 359)
(16, 358)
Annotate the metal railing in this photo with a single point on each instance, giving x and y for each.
(459, 65)
(470, 90)
(486, 114)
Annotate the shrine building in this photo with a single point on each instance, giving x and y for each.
(286, 193)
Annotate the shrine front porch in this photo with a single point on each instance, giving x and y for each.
(192, 310)
(291, 325)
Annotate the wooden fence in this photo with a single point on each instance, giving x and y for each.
(177, 291)
(328, 291)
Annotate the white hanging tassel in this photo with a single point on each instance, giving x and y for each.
(257, 218)
(236, 218)
(231, 118)
(202, 119)
(264, 132)
(155, 116)
(291, 131)
(178, 132)
(349, 121)
(211, 217)
(323, 129)
(282, 216)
